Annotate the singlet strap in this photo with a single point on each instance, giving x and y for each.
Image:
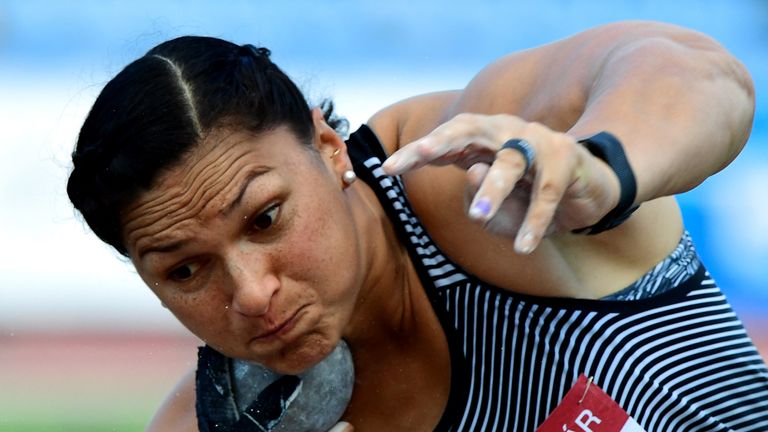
(363, 144)
(434, 269)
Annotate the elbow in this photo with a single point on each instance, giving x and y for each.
(734, 91)
(743, 78)
(742, 92)
(724, 67)
(731, 84)
(699, 62)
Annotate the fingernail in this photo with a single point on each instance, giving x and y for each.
(391, 163)
(397, 164)
(341, 427)
(524, 242)
(480, 209)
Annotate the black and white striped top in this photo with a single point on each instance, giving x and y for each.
(677, 361)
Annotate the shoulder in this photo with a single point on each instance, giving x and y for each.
(177, 412)
(411, 118)
(549, 84)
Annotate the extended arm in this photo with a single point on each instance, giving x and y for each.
(681, 105)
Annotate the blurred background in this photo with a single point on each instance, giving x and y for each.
(85, 346)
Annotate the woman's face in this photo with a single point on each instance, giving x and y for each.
(250, 243)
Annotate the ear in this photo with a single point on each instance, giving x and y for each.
(332, 148)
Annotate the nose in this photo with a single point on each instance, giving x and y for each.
(253, 284)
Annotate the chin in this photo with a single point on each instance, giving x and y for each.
(296, 361)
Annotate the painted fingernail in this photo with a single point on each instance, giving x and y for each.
(480, 209)
(524, 242)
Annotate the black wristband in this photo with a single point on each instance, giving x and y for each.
(608, 148)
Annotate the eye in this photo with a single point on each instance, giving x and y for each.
(265, 219)
(184, 272)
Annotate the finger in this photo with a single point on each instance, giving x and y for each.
(342, 427)
(476, 174)
(549, 186)
(432, 150)
(465, 138)
(409, 157)
(498, 182)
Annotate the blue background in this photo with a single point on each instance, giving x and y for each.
(366, 54)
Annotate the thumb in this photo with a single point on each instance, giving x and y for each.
(342, 427)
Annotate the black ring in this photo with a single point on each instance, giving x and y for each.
(525, 148)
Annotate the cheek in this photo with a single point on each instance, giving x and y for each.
(323, 252)
(203, 313)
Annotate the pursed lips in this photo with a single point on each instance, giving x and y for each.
(280, 328)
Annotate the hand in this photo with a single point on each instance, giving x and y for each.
(565, 187)
(342, 427)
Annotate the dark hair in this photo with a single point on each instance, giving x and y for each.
(163, 104)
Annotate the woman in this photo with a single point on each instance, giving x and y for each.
(515, 263)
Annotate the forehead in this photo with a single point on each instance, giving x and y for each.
(207, 180)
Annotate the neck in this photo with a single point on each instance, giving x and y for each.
(402, 365)
(384, 305)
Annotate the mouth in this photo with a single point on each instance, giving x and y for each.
(280, 330)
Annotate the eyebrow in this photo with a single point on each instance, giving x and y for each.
(176, 245)
(166, 248)
(243, 187)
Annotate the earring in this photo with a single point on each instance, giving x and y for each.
(348, 177)
(335, 152)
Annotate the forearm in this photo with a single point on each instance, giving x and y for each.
(681, 105)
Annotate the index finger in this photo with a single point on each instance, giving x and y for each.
(465, 139)
(409, 157)
(443, 149)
